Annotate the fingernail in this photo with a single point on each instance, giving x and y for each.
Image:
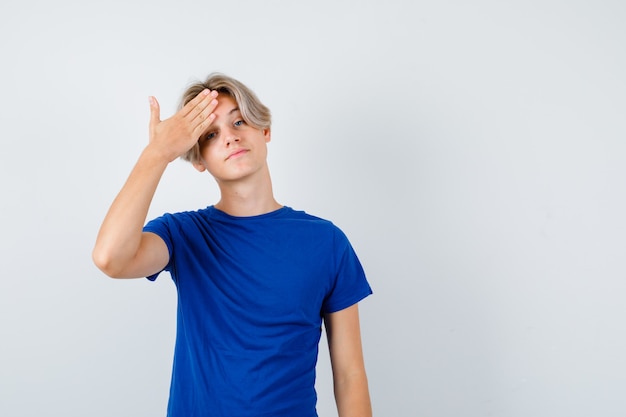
(214, 93)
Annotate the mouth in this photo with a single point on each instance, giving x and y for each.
(236, 154)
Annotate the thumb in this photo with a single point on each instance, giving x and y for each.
(155, 111)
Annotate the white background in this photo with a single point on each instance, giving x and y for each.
(473, 151)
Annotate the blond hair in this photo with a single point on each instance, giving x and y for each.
(253, 112)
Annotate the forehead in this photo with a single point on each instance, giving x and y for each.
(226, 105)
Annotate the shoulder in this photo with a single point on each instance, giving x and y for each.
(183, 216)
(305, 218)
(177, 222)
(302, 215)
(319, 226)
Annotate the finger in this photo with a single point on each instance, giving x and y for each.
(204, 112)
(191, 106)
(203, 108)
(155, 111)
(203, 125)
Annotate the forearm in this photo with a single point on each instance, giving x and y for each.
(352, 395)
(120, 234)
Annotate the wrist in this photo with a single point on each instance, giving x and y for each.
(156, 156)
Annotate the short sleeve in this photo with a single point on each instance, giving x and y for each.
(161, 227)
(350, 283)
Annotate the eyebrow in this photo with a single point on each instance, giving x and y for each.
(233, 110)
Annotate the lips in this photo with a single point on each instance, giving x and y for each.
(236, 153)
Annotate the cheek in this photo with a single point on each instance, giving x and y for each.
(205, 148)
(208, 153)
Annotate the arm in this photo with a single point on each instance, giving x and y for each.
(346, 356)
(122, 249)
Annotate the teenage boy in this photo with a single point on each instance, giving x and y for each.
(255, 279)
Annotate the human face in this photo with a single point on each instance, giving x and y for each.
(230, 149)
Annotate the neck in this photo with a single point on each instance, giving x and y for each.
(247, 198)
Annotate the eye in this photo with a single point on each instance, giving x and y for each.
(239, 123)
(208, 136)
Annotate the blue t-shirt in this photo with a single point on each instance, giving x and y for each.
(252, 292)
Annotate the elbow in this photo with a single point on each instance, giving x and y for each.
(105, 262)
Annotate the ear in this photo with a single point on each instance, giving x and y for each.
(199, 165)
(268, 134)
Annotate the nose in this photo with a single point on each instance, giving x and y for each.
(230, 136)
